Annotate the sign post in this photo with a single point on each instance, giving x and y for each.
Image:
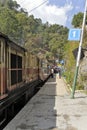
(79, 52)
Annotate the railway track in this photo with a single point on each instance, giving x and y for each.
(16, 100)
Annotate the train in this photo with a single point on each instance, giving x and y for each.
(20, 75)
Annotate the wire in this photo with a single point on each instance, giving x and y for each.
(37, 6)
(22, 3)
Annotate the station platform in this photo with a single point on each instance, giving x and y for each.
(52, 109)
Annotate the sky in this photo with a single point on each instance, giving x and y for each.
(53, 11)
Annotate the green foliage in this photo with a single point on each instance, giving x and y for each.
(8, 22)
(31, 32)
(69, 76)
(70, 61)
(13, 22)
(85, 38)
(80, 87)
(44, 40)
(77, 20)
(9, 4)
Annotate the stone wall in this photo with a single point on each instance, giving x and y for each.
(82, 76)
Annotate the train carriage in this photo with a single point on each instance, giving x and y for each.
(2, 65)
(11, 65)
(16, 66)
(32, 67)
(20, 75)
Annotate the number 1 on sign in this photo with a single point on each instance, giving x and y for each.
(74, 33)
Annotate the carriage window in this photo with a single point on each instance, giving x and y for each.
(16, 69)
(13, 61)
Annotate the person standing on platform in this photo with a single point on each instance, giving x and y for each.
(60, 73)
(52, 72)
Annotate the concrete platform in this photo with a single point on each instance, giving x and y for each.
(52, 109)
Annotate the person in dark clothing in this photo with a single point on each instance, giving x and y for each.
(60, 73)
(52, 72)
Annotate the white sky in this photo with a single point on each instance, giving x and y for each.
(53, 11)
(47, 12)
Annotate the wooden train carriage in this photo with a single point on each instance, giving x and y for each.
(16, 65)
(11, 65)
(32, 67)
(41, 73)
(43, 69)
(2, 65)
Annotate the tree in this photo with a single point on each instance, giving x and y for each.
(24, 29)
(8, 20)
(77, 20)
(10, 4)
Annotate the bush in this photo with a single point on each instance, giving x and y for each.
(79, 87)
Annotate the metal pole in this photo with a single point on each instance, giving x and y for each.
(79, 53)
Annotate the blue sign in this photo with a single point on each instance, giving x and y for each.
(74, 34)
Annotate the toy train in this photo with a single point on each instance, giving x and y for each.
(20, 74)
